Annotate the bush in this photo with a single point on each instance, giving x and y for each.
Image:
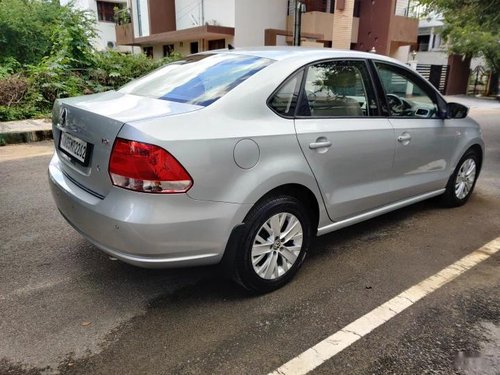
(49, 81)
(33, 93)
(71, 66)
(26, 27)
(114, 69)
(20, 112)
(9, 66)
(12, 90)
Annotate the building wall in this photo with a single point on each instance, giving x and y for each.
(252, 17)
(183, 47)
(220, 12)
(107, 34)
(192, 13)
(441, 58)
(402, 53)
(374, 26)
(403, 30)
(161, 16)
(140, 16)
(314, 23)
(342, 25)
(105, 30)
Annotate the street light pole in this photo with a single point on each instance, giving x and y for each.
(297, 22)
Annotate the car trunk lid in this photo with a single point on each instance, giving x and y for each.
(85, 129)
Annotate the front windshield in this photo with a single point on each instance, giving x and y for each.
(198, 79)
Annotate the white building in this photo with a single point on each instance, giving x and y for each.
(189, 26)
(104, 13)
(432, 48)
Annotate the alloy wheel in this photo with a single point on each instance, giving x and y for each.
(277, 246)
(465, 178)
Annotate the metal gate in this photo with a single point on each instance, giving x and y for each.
(437, 75)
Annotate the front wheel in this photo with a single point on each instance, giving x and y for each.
(462, 181)
(274, 245)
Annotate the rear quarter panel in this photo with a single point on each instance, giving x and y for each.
(204, 143)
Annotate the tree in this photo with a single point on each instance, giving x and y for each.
(26, 29)
(31, 30)
(472, 28)
(71, 38)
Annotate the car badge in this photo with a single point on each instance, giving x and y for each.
(63, 117)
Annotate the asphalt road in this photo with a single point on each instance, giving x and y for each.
(67, 308)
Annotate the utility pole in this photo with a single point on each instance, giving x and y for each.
(202, 13)
(299, 6)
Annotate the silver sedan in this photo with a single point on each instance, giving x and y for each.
(242, 157)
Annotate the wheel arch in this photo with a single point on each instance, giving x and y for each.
(479, 151)
(301, 193)
(476, 145)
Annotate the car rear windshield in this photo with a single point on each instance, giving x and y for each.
(198, 79)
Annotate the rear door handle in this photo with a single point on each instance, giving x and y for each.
(320, 144)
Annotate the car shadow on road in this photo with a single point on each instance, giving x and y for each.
(372, 229)
(211, 280)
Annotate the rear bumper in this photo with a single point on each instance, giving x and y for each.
(147, 230)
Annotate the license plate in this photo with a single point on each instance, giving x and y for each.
(75, 148)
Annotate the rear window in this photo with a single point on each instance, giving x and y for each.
(198, 79)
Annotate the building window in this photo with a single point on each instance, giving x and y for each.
(168, 49)
(216, 44)
(106, 11)
(194, 47)
(148, 51)
(423, 43)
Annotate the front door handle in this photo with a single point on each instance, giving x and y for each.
(404, 138)
(320, 143)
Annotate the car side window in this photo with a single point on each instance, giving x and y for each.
(338, 89)
(284, 100)
(406, 97)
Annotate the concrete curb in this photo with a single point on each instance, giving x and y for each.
(25, 131)
(24, 137)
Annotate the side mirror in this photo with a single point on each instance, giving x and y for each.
(456, 110)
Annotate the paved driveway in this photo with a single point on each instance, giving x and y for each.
(67, 308)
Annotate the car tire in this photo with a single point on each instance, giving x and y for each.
(266, 260)
(462, 181)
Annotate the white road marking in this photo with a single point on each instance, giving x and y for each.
(329, 347)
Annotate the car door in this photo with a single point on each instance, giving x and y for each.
(425, 142)
(347, 143)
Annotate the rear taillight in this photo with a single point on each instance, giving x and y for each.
(147, 168)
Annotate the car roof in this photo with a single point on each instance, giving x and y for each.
(286, 52)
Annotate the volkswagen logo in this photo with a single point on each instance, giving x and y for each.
(63, 117)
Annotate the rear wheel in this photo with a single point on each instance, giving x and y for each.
(275, 244)
(462, 181)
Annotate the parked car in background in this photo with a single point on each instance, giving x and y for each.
(244, 156)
